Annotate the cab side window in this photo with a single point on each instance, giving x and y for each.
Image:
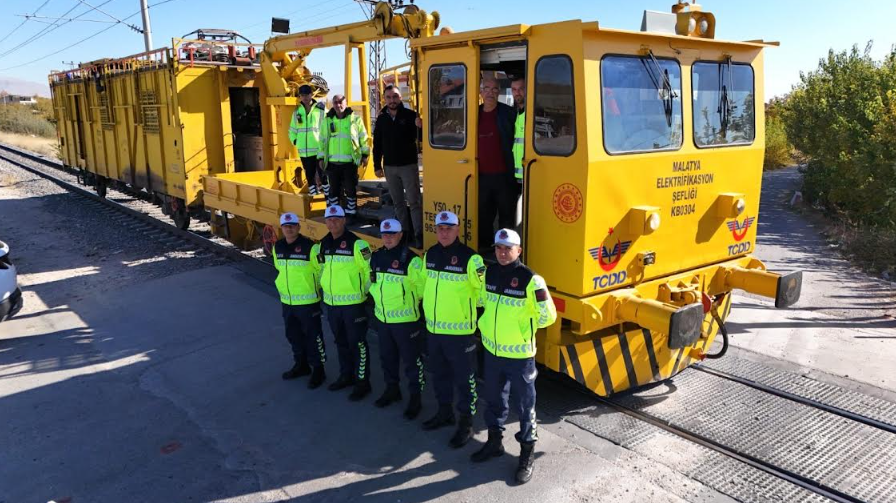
(448, 106)
(555, 109)
(724, 104)
(641, 101)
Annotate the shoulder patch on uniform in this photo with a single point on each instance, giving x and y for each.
(541, 295)
(365, 252)
(480, 271)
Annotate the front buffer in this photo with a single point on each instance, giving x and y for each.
(631, 337)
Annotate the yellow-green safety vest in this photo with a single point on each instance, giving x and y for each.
(298, 271)
(397, 278)
(304, 129)
(519, 138)
(345, 269)
(451, 293)
(517, 303)
(343, 140)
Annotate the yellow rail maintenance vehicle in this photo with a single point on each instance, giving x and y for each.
(643, 165)
(158, 121)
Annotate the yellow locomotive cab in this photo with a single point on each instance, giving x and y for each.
(641, 180)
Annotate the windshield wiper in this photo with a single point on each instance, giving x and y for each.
(726, 106)
(665, 88)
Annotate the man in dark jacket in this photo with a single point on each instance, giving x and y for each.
(497, 185)
(395, 153)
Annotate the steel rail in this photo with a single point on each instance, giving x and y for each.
(6, 150)
(809, 402)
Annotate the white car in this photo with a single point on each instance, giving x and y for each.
(10, 294)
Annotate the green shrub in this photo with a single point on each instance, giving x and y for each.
(778, 150)
(843, 118)
(23, 119)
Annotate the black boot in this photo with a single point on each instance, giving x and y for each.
(414, 406)
(343, 382)
(492, 449)
(464, 432)
(318, 376)
(527, 460)
(391, 395)
(362, 389)
(443, 417)
(297, 370)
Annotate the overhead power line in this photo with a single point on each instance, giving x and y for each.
(85, 39)
(49, 29)
(23, 22)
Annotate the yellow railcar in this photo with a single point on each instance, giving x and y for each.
(643, 164)
(161, 120)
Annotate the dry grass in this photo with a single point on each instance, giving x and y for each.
(43, 146)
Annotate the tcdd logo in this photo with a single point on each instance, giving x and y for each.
(608, 280)
(739, 230)
(739, 248)
(610, 252)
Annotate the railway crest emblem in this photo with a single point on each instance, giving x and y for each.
(739, 229)
(610, 252)
(387, 225)
(568, 203)
(342, 245)
(514, 283)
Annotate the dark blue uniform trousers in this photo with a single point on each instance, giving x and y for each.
(452, 360)
(401, 341)
(304, 333)
(349, 327)
(510, 378)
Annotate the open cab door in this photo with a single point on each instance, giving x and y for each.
(449, 107)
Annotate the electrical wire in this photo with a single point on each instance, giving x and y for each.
(85, 39)
(24, 21)
(51, 28)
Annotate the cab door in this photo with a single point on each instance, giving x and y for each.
(450, 105)
(555, 162)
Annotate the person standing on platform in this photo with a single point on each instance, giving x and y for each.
(397, 277)
(517, 303)
(343, 147)
(345, 275)
(395, 139)
(454, 275)
(298, 275)
(304, 133)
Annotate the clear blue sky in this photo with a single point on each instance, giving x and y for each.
(805, 28)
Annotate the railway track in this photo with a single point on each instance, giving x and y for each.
(133, 210)
(787, 437)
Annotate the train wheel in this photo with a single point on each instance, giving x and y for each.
(268, 238)
(101, 184)
(179, 214)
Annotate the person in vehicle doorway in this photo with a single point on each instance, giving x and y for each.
(517, 303)
(518, 90)
(397, 278)
(395, 139)
(298, 274)
(453, 278)
(345, 275)
(304, 133)
(497, 184)
(343, 147)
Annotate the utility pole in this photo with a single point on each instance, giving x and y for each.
(147, 31)
(376, 59)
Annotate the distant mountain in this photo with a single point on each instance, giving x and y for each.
(13, 85)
